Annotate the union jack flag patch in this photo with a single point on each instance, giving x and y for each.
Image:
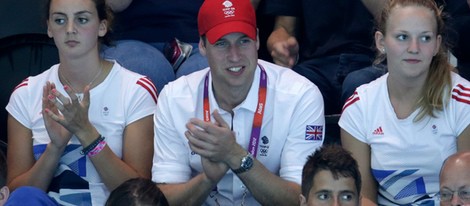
(314, 132)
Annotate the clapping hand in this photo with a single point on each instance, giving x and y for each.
(63, 115)
(214, 142)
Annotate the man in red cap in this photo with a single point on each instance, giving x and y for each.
(239, 131)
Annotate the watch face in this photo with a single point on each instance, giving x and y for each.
(247, 162)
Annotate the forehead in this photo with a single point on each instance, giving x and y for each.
(234, 35)
(324, 180)
(411, 17)
(67, 6)
(455, 176)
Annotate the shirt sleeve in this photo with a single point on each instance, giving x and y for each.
(171, 158)
(460, 104)
(143, 100)
(352, 118)
(306, 133)
(17, 107)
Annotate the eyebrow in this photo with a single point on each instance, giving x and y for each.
(464, 187)
(76, 13)
(323, 191)
(460, 188)
(424, 32)
(347, 191)
(339, 192)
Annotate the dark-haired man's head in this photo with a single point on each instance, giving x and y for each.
(331, 177)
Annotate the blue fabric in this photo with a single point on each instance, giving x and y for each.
(79, 166)
(149, 60)
(329, 73)
(195, 62)
(142, 58)
(30, 196)
(360, 77)
(156, 22)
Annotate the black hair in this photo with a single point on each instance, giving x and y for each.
(137, 192)
(332, 158)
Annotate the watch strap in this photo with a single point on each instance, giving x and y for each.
(239, 170)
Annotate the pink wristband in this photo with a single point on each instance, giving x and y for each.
(97, 149)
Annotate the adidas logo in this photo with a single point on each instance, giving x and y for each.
(378, 131)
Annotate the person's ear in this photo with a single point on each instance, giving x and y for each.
(4, 194)
(303, 200)
(438, 45)
(49, 33)
(380, 41)
(202, 46)
(103, 29)
(257, 39)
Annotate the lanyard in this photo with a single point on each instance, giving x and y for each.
(258, 117)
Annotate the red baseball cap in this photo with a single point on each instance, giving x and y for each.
(218, 18)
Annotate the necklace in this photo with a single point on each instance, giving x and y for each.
(245, 193)
(79, 94)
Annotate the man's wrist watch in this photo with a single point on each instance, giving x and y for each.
(246, 164)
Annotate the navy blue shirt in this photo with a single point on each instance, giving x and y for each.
(459, 25)
(328, 27)
(158, 21)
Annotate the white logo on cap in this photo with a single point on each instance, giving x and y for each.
(227, 3)
(229, 11)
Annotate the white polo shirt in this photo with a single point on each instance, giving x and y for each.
(406, 156)
(293, 106)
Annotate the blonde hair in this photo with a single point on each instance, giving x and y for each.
(437, 88)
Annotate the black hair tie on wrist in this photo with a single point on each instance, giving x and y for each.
(91, 146)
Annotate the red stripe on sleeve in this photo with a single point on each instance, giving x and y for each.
(466, 101)
(148, 81)
(463, 88)
(151, 89)
(460, 92)
(22, 84)
(349, 103)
